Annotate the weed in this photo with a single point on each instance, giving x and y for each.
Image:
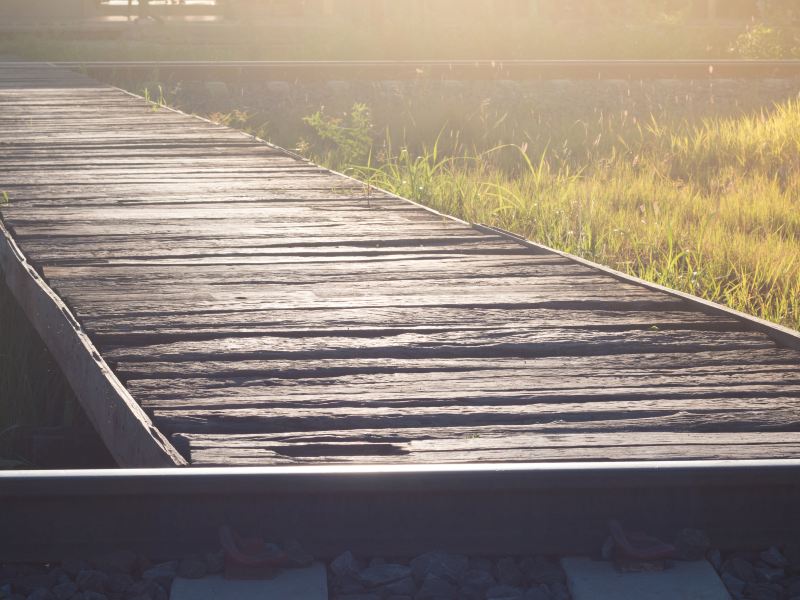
(158, 101)
(346, 139)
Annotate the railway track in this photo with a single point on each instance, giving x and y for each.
(478, 509)
(466, 70)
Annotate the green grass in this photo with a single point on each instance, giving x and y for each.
(711, 208)
(706, 205)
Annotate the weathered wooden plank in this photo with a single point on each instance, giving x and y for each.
(75, 189)
(176, 303)
(421, 287)
(235, 180)
(319, 212)
(489, 387)
(533, 435)
(69, 253)
(128, 433)
(236, 176)
(180, 199)
(521, 342)
(479, 267)
(636, 366)
(239, 450)
(115, 331)
(781, 334)
(253, 420)
(223, 457)
(45, 166)
(98, 151)
(524, 381)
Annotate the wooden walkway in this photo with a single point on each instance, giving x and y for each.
(264, 311)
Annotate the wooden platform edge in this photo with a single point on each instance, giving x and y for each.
(783, 335)
(126, 430)
(790, 338)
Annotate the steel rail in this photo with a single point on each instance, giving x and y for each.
(500, 69)
(396, 510)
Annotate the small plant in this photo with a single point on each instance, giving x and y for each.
(4, 199)
(762, 41)
(345, 140)
(253, 123)
(159, 101)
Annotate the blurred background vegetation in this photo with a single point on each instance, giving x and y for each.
(384, 29)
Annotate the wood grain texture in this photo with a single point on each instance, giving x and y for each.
(262, 310)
